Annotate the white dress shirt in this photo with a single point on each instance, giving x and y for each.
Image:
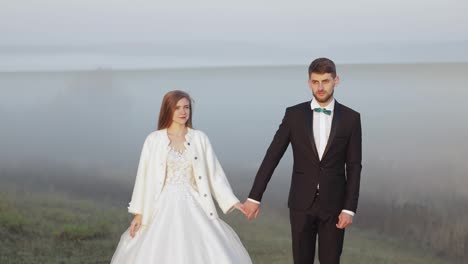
(321, 128)
(322, 125)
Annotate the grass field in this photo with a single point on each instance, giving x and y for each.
(56, 228)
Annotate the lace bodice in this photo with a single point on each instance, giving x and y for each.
(179, 169)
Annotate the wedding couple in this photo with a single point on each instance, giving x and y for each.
(179, 175)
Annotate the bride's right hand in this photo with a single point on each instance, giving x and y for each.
(135, 225)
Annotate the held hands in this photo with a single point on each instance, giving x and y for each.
(135, 225)
(240, 207)
(252, 209)
(344, 220)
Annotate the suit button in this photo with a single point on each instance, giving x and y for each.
(205, 195)
(211, 214)
(196, 158)
(199, 177)
(188, 143)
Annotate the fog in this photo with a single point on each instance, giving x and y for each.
(413, 118)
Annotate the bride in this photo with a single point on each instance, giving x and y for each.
(175, 217)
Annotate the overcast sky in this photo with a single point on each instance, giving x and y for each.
(52, 34)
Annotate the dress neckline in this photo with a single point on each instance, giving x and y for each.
(186, 139)
(177, 151)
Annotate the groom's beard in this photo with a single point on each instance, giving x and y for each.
(325, 99)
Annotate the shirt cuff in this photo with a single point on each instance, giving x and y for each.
(253, 201)
(348, 212)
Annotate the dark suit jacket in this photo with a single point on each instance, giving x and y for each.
(339, 171)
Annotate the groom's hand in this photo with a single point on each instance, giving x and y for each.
(344, 220)
(252, 209)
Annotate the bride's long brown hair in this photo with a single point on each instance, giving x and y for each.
(168, 108)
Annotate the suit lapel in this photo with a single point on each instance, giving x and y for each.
(310, 124)
(335, 121)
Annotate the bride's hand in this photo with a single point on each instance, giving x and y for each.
(135, 225)
(240, 207)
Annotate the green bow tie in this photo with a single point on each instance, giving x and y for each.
(323, 110)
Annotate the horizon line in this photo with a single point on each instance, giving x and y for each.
(212, 67)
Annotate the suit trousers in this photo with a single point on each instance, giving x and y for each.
(305, 226)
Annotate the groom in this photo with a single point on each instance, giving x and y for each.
(326, 143)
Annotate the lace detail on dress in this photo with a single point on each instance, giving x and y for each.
(179, 169)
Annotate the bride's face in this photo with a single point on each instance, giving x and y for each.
(182, 112)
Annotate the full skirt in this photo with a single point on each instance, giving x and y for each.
(180, 232)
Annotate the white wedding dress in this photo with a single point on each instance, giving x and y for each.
(180, 231)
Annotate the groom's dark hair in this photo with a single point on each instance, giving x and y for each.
(321, 66)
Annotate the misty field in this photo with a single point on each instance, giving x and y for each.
(57, 227)
(70, 143)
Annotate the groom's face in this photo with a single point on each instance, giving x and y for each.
(322, 86)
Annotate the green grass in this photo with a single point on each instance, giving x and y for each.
(268, 241)
(55, 228)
